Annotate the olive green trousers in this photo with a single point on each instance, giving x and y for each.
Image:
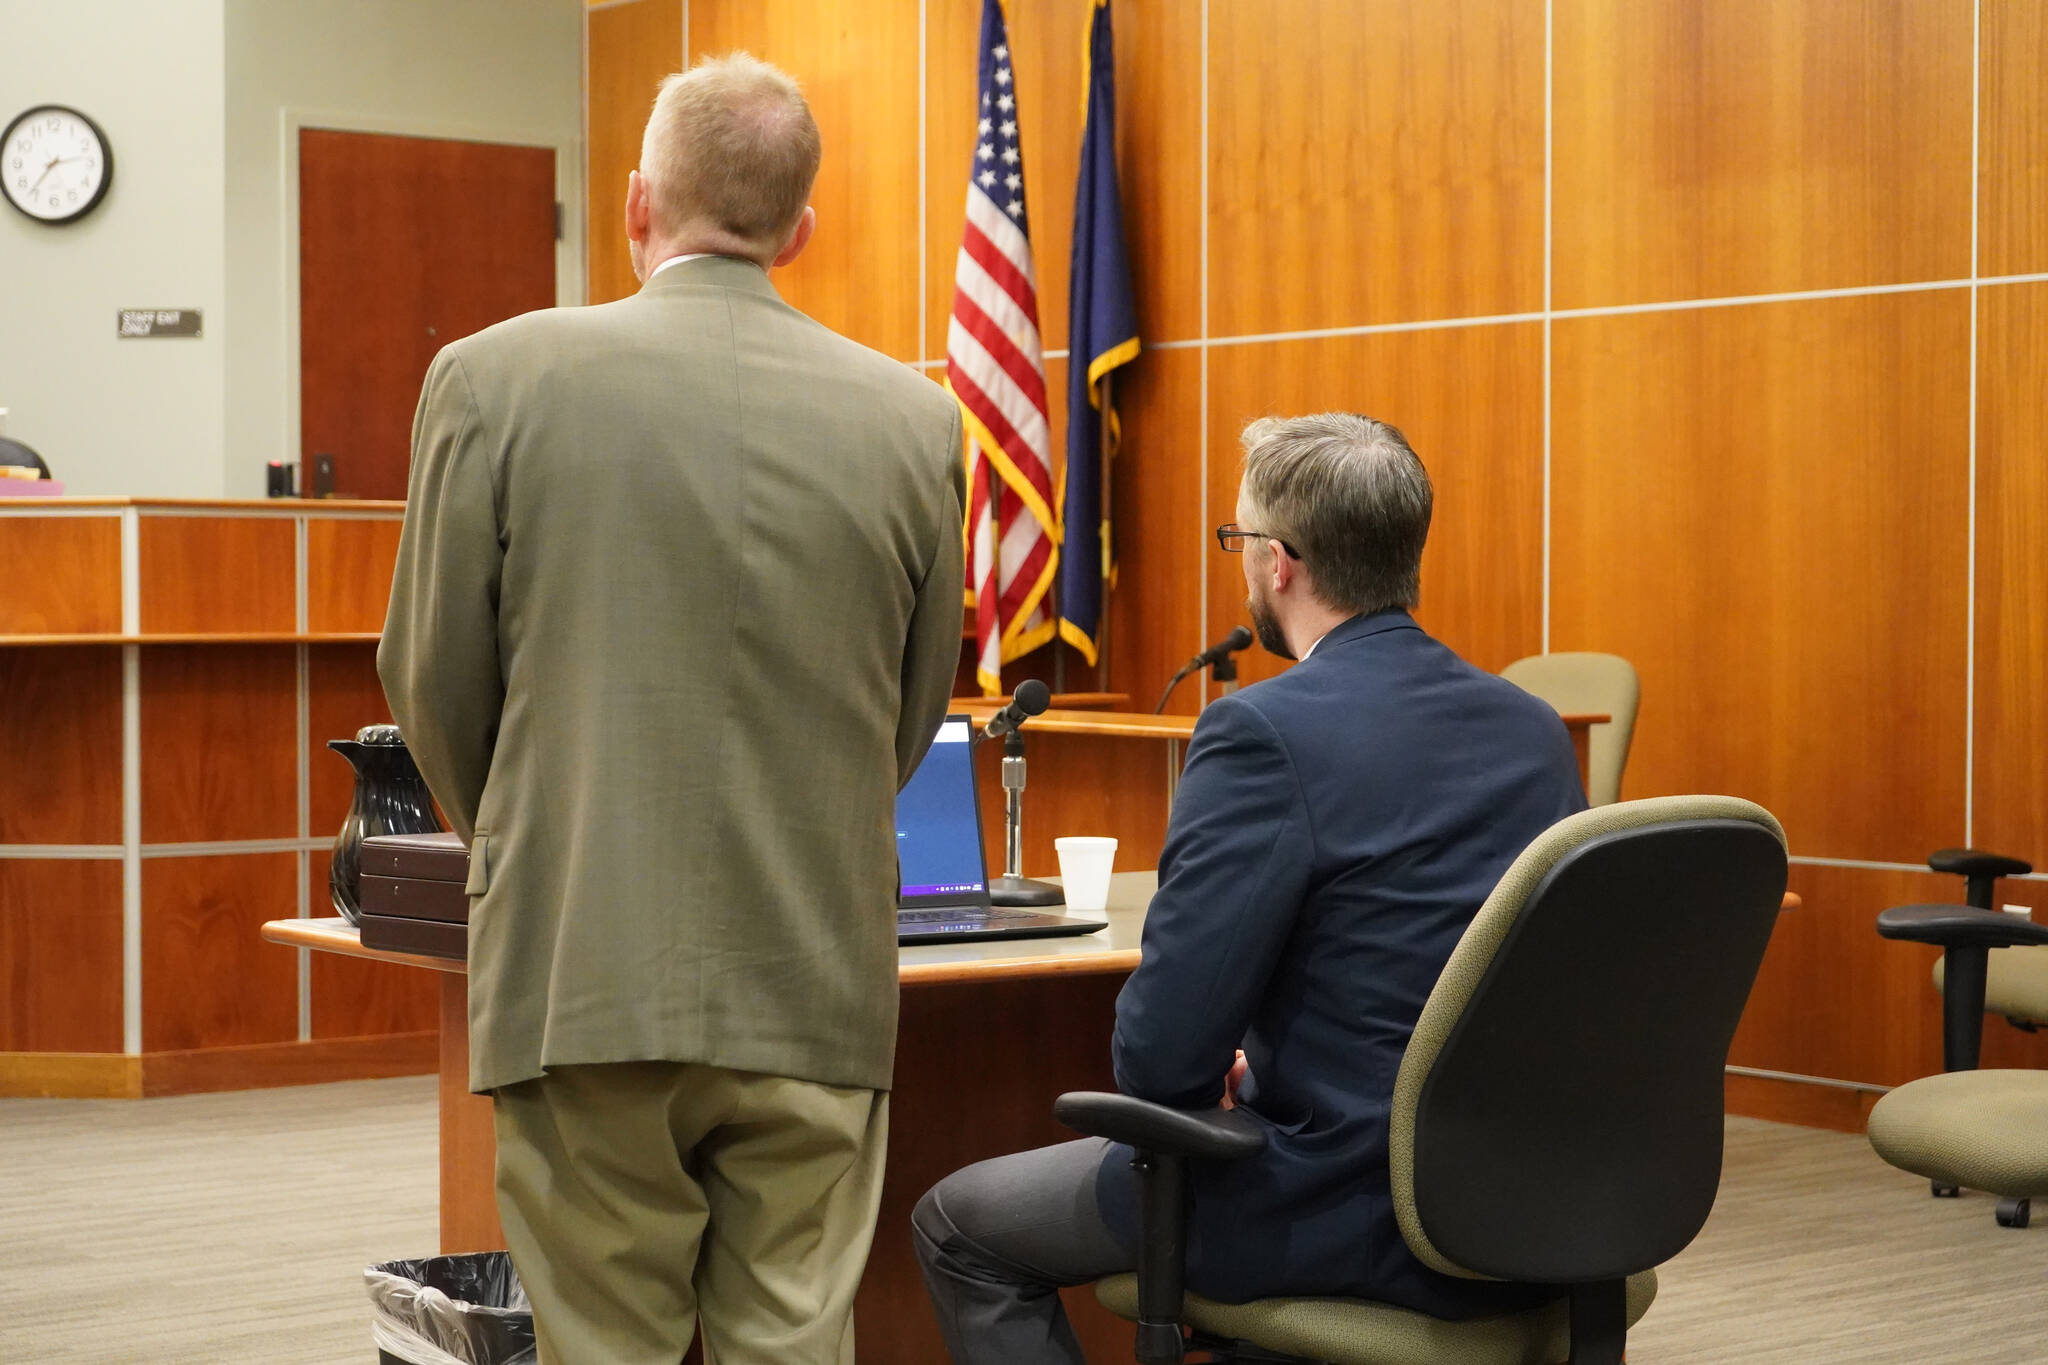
(642, 1198)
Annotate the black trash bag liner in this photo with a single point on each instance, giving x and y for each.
(452, 1310)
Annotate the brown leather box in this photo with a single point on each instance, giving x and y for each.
(412, 894)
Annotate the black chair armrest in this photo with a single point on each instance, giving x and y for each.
(1975, 862)
(1959, 926)
(1214, 1134)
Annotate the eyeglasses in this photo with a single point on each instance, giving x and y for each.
(1232, 538)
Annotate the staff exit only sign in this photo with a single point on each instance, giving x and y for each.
(157, 322)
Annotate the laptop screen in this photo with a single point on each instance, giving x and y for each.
(938, 823)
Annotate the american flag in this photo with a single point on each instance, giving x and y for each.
(995, 366)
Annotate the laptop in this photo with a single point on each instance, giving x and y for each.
(942, 895)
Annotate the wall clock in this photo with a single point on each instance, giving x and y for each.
(55, 164)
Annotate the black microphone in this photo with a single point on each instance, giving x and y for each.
(1238, 639)
(1032, 697)
(1241, 638)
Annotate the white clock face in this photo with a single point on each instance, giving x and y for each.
(55, 164)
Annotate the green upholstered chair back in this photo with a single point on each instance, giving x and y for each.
(1588, 684)
(1558, 1115)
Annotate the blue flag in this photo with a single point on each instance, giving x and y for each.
(1102, 333)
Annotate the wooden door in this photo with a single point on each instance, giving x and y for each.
(405, 244)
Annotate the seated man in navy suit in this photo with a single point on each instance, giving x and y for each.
(1336, 829)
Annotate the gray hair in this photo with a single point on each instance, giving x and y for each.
(729, 155)
(1349, 494)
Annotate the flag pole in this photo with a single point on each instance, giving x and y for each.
(1105, 453)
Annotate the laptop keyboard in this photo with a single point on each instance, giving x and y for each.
(962, 916)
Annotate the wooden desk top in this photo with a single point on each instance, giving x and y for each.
(1134, 725)
(292, 505)
(1114, 949)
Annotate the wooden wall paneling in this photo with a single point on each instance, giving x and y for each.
(255, 1066)
(1469, 399)
(2011, 738)
(962, 1095)
(60, 778)
(1758, 146)
(219, 743)
(70, 579)
(632, 46)
(208, 979)
(1046, 51)
(1835, 1000)
(1159, 161)
(1764, 509)
(349, 561)
(354, 997)
(218, 574)
(2013, 152)
(858, 66)
(1155, 609)
(1078, 784)
(60, 955)
(1378, 163)
(343, 696)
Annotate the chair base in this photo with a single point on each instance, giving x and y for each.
(2014, 1213)
(1942, 1190)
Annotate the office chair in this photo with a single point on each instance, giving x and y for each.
(1588, 684)
(1987, 1130)
(1557, 1118)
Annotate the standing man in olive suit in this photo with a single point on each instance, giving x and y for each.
(677, 610)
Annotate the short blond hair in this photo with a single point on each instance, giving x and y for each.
(729, 155)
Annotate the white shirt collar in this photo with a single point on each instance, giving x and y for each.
(1312, 647)
(678, 260)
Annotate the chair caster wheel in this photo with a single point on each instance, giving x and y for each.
(2014, 1213)
(1942, 1191)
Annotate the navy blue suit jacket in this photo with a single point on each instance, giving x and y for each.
(1336, 829)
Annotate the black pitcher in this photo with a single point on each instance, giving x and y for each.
(391, 798)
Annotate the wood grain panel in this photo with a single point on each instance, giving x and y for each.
(1763, 508)
(1757, 146)
(205, 574)
(2012, 572)
(70, 1076)
(60, 778)
(354, 998)
(1373, 163)
(220, 735)
(964, 1093)
(1470, 401)
(405, 244)
(343, 696)
(1079, 784)
(469, 1143)
(1835, 1000)
(631, 47)
(258, 1066)
(2013, 150)
(208, 978)
(348, 573)
(60, 955)
(1155, 608)
(1159, 162)
(858, 66)
(1809, 1106)
(71, 580)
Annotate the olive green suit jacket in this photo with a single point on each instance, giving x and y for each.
(677, 610)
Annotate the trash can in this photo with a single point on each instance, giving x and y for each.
(450, 1310)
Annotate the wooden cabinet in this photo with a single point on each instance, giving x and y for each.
(172, 673)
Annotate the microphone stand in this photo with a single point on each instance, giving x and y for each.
(1224, 674)
(1013, 888)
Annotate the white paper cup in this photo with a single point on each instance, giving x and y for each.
(1085, 864)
